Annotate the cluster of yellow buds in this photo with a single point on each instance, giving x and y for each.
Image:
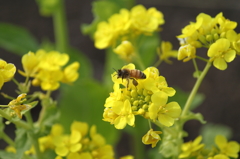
(215, 33)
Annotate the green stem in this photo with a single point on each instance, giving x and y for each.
(149, 123)
(35, 144)
(6, 138)
(41, 116)
(157, 63)
(196, 67)
(29, 118)
(60, 28)
(19, 123)
(4, 106)
(195, 89)
(201, 58)
(138, 60)
(15, 81)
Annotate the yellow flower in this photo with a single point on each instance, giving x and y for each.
(66, 144)
(30, 63)
(70, 73)
(225, 24)
(142, 21)
(17, 105)
(103, 152)
(97, 139)
(53, 60)
(156, 14)
(221, 53)
(230, 149)
(186, 53)
(191, 148)
(104, 35)
(165, 113)
(48, 80)
(152, 137)
(125, 50)
(7, 71)
(165, 52)
(125, 115)
(82, 127)
(120, 22)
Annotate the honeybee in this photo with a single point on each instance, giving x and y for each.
(130, 74)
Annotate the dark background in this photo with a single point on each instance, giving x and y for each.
(221, 88)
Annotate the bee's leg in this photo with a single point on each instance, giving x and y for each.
(135, 83)
(127, 83)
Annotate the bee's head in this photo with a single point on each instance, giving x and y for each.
(118, 73)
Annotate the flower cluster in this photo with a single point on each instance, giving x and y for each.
(7, 71)
(146, 97)
(46, 69)
(222, 150)
(138, 20)
(81, 143)
(216, 33)
(125, 26)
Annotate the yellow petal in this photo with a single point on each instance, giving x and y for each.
(165, 120)
(61, 151)
(220, 63)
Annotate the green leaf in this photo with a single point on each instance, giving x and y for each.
(147, 46)
(210, 130)
(16, 39)
(85, 102)
(22, 141)
(195, 116)
(7, 155)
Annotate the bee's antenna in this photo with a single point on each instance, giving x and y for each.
(115, 71)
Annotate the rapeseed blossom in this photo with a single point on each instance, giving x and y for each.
(230, 149)
(215, 33)
(152, 137)
(125, 50)
(221, 53)
(127, 24)
(165, 52)
(148, 99)
(80, 143)
(191, 148)
(47, 69)
(7, 71)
